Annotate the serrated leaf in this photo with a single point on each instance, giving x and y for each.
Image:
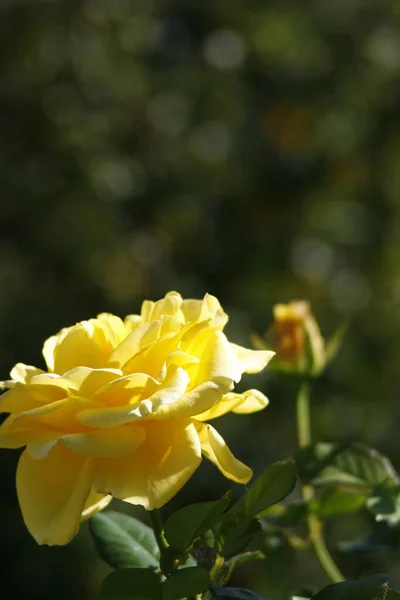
(123, 541)
(132, 583)
(363, 589)
(234, 593)
(184, 583)
(188, 523)
(360, 466)
(354, 465)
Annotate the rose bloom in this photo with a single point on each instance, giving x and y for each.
(121, 411)
(296, 333)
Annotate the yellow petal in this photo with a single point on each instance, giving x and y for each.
(129, 389)
(152, 357)
(215, 449)
(61, 415)
(50, 345)
(106, 442)
(173, 387)
(167, 306)
(153, 474)
(140, 337)
(94, 504)
(192, 403)
(252, 361)
(20, 398)
(16, 437)
(217, 358)
(208, 308)
(80, 346)
(52, 493)
(251, 401)
(51, 385)
(113, 328)
(146, 311)
(181, 359)
(226, 404)
(23, 373)
(89, 381)
(131, 322)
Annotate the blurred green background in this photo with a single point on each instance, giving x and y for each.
(248, 148)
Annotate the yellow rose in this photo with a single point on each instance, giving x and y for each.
(121, 411)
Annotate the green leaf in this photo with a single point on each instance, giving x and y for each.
(239, 524)
(234, 593)
(188, 523)
(269, 488)
(131, 583)
(237, 538)
(363, 589)
(381, 539)
(335, 502)
(291, 515)
(123, 541)
(384, 504)
(359, 466)
(356, 465)
(184, 583)
(310, 461)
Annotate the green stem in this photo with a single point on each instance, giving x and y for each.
(314, 524)
(158, 528)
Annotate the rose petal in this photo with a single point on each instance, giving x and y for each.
(153, 474)
(52, 493)
(216, 450)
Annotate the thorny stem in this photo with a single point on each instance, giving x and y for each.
(314, 524)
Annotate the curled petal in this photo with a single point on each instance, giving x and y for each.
(251, 401)
(252, 361)
(216, 450)
(94, 504)
(192, 403)
(24, 373)
(53, 493)
(201, 310)
(166, 306)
